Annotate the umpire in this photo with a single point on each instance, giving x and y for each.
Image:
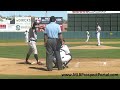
(52, 39)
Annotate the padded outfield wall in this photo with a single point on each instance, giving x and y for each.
(67, 35)
(81, 21)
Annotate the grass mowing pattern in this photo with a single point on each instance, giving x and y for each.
(2, 76)
(20, 52)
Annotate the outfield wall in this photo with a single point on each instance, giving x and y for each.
(68, 35)
(82, 34)
(83, 21)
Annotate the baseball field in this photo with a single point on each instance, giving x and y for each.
(89, 61)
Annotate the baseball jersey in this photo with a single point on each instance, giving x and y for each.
(98, 28)
(32, 34)
(87, 33)
(64, 50)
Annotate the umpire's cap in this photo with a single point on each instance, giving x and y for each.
(52, 19)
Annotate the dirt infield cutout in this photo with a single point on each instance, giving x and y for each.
(93, 47)
(77, 65)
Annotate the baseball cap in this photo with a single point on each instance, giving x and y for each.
(52, 19)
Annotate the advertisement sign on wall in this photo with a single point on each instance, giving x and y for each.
(2, 26)
(22, 23)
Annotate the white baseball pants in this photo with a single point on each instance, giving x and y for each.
(87, 38)
(98, 38)
(64, 59)
(32, 47)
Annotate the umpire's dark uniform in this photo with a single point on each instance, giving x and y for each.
(52, 35)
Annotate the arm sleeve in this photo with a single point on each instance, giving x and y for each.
(100, 28)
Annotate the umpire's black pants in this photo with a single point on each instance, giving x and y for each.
(53, 49)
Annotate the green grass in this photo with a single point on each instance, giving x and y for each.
(2, 76)
(67, 40)
(20, 52)
(96, 53)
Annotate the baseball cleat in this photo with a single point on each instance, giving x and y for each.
(39, 63)
(97, 45)
(63, 67)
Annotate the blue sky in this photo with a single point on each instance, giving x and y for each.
(36, 13)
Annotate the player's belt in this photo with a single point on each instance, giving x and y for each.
(32, 40)
(52, 38)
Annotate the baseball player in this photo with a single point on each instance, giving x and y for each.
(88, 36)
(66, 57)
(26, 36)
(98, 30)
(32, 44)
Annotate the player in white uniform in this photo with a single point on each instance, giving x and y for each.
(26, 36)
(98, 30)
(32, 44)
(66, 57)
(88, 36)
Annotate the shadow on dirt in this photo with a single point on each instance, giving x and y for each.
(43, 69)
(23, 63)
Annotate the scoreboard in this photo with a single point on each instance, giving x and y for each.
(46, 20)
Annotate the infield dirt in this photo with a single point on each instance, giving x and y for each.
(77, 65)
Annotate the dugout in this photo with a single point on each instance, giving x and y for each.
(86, 20)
